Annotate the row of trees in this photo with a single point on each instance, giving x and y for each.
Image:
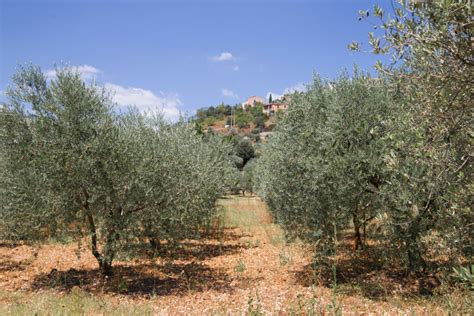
(71, 165)
(397, 148)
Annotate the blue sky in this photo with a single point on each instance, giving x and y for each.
(183, 55)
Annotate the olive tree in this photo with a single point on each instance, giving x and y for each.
(247, 177)
(430, 159)
(72, 165)
(323, 164)
(245, 150)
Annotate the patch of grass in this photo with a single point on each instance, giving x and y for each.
(307, 306)
(456, 303)
(215, 227)
(285, 257)
(254, 306)
(75, 303)
(275, 235)
(244, 219)
(250, 214)
(240, 266)
(252, 243)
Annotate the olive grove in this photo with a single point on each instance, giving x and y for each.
(72, 165)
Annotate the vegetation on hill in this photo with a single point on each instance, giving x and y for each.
(232, 116)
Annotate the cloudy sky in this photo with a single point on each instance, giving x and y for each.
(181, 55)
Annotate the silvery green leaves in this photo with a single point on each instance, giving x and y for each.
(69, 160)
(320, 166)
(429, 165)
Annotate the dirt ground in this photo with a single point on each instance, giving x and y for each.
(249, 269)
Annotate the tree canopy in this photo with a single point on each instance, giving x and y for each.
(72, 165)
(397, 147)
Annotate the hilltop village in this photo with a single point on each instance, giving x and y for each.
(254, 118)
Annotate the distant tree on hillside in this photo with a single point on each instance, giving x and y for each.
(211, 111)
(259, 122)
(243, 118)
(244, 149)
(201, 114)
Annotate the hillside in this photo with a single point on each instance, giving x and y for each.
(241, 120)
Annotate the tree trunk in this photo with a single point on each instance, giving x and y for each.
(154, 242)
(105, 261)
(105, 267)
(357, 237)
(365, 230)
(416, 263)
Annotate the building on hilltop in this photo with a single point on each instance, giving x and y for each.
(252, 101)
(271, 108)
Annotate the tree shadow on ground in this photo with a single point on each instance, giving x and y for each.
(206, 251)
(139, 280)
(202, 249)
(364, 273)
(10, 245)
(9, 265)
(146, 279)
(229, 233)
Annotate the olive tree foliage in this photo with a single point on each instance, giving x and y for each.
(70, 165)
(430, 188)
(245, 150)
(247, 177)
(322, 166)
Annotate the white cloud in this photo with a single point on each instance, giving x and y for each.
(87, 72)
(225, 56)
(229, 94)
(146, 101)
(299, 87)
